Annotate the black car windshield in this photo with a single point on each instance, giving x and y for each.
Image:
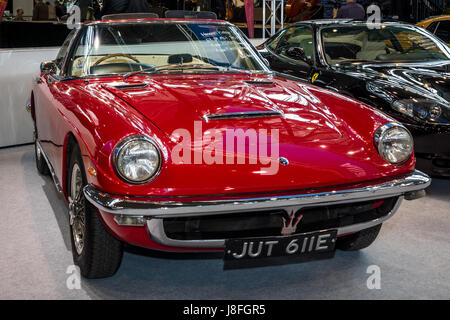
(166, 47)
(389, 44)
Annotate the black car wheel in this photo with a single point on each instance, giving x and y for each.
(359, 240)
(97, 253)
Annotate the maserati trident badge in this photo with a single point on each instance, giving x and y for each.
(289, 226)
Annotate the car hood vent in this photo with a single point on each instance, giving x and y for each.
(242, 115)
(130, 86)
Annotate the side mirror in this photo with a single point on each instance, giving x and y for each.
(48, 67)
(298, 54)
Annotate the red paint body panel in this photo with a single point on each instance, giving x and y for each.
(327, 138)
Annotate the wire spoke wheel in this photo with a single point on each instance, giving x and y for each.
(77, 209)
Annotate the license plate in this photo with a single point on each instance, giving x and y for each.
(257, 252)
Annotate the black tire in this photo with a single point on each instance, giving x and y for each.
(101, 253)
(41, 164)
(359, 240)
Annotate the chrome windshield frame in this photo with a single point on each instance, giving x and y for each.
(239, 36)
(322, 55)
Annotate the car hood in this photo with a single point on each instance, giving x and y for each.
(179, 103)
(317, 138)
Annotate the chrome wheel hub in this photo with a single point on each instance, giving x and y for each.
(77, 211)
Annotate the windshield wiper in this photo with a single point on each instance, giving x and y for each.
(232, 69)
(182, 67)
(169, 67)
(187, 67)
(345, 62)
(129, 74)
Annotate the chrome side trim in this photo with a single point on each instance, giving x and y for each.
(119, 204)
(50, 167)
(242, 115)
(157, 233)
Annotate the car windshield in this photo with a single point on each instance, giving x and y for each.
(390, 44)
(162, 47)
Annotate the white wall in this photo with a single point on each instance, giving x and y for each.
(18, 67)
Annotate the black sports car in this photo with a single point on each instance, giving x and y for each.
(398, 68)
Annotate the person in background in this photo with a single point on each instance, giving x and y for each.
(60, 9)
(351, 10)
(138, 6)
(219, 6)
(96, 9)
(40, 11)
(249, 15)
(114, 6)
(51, 11)
(84, 8)
(19, 16)
(2, 8)
(238, 11)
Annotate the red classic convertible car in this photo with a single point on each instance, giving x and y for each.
(174, 135)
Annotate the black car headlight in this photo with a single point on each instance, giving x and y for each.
(137, 159)
(403, 107)
(428, 111)
(435, 112)
(394, 143)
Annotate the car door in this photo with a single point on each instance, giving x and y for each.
(48, 117)
(293, 37)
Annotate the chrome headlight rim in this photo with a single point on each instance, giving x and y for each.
(381, 133)
(121, 145)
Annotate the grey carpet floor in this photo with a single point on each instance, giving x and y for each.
(412, 252)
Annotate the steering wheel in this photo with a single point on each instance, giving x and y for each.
(112, 55)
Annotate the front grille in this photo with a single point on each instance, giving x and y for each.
(441, 162)
(270, 223)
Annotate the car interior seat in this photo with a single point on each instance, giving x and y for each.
(373, 45)
(186, 14)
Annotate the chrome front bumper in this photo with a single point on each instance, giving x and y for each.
(407, 187)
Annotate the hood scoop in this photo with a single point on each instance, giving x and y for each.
(242, 115)
(123, 86)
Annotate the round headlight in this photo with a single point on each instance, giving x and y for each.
(137, 159)
(435, 112)
(394, 143)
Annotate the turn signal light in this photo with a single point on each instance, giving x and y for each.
(130, 220)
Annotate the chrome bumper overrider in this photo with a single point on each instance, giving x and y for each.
(407, 187)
